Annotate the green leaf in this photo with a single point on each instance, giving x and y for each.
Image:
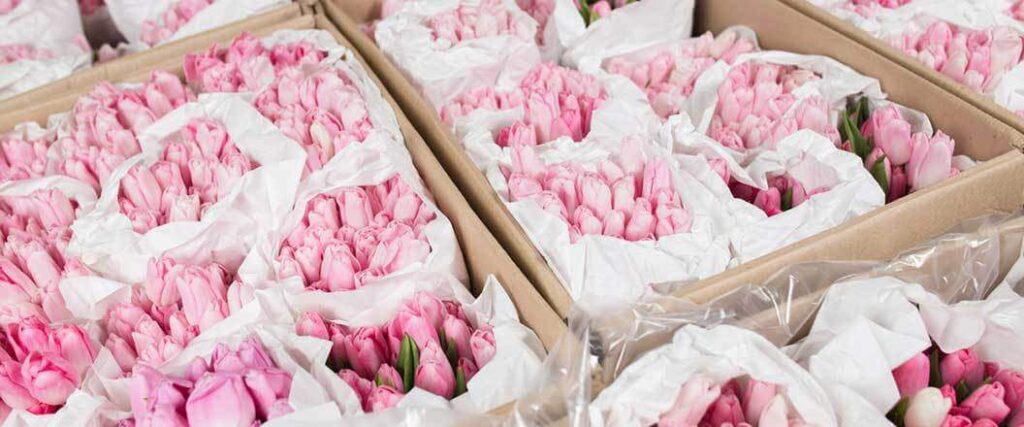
(878, 171)
(452, 352)
(899, 412)
(860, 145)
(460, 382)
(787, 199)
(378, 380)
(408, 360)
(585, 11)
(935, 379)
(864, 109)
(962, 391)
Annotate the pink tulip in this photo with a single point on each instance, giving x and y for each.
(987, 401)
(458, 331)
(75, 346)
(756, 397)
(383, 397)
(157, 399)
(912, 376)
(221, 400)
(1013, 383)
(931, 160)
(726, 409)
(123, 352)
(267, 386)
(482, 346)
(956, 421)
(387, 375)
(434, 373)
(311, 324)
(897, 184)
(690, 406)
(14, 389)
(158, 290)
(962, 365)
(770, 201)
(49, 378)
(366, 350)
(361, 386)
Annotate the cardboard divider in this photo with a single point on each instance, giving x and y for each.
(996, 184)
(881, 47)
(483, 254)
(97, 73)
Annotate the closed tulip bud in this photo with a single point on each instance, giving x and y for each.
(482, 345)
(641, 222)
(49, 378)
(266, 386)
(928, 408)
(769, 201)
(1013, 384)
(355, 208)
(29, 335)
(366, 350)
(222, 400)
(361, 386)
(141, 187)
(595, 195)
(158, 289)
(962, 365)
(930, 161)
(586, 221)
(434, 373)
(458, 331)
(912, 376)
(522, 187)
(311, 324)
(75, 346)
(196, 369)
(614, 224)
(776, 414)
(383, 397)
(756, 397)
(122, 351)
(14, 389)
(988, 402)
(726, 409)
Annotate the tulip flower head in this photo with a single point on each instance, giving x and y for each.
(8, 5)
(246, 65)
(739, 402)
(486, 18)
(429, 344)
(42, 364)
(353, 235)
(10, 53)
(155, 31)
(21, 156)
(240, 387)
(669, 75)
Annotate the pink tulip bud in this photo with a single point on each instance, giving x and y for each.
(962, 365)
(366, 350)
(602, 8)
(482, 346)
(159, 290)
(693, 401)
(266, 386)
(756, 397)
(595, 194)
(220, 399)
(458, 331)
(987, 401)
(891, 133)
(49, 378)
(311, 324)
(14, 388)
(123, 352)
(930, 161)
(157, 399)
(196, 369)
(770, 201)
(726, 409)
(434, 373)
(75, 346)
(912, 376)
(408, 323)
(355, 208)
(387, 375)
(641, 222)
(362, 387)
(383, 397)
(29, 335)
(614, 224)
(897, 184)
(522, 187)
(775, 414)
(1013, 384)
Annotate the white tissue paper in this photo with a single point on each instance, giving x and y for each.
(442, 71)
(518, 359)
(53, 27)
(611, 267)
(635, 27)
(649, 386)
(372, 162)
(130, 15)
(106, 242)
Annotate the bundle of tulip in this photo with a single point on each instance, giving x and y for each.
(246, 65)
(957, 389)
(103, 126)
(592, 10)
(737, 402)
(324, 111)
(35, 230)
(354, 235)
(975, 58)
(243, 387)
(487, 18)
(669, 74)
(899, 160)
(23, 153)
(176, 303)
(783, 193)
(195, 170)
(627, 198)
(557, 102)
(430, 344)
(163, 27)
(42, 365)
(753, 102)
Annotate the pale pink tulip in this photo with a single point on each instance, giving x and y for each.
(912, 376)
(693, 401)
(434, 373)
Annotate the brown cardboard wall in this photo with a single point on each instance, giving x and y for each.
(994, 185)
(483, 255)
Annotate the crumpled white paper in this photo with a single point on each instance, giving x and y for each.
(634, 27)
(106, 242)
(442, 71)
(510, 374)
(867, 327)
(129, 16)
(616, 268)
(372, 162)
(51, 25)
(294, 354)
(649, 386)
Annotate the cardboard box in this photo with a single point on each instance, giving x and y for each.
(483, 254)
(871, 42)
(993, 185)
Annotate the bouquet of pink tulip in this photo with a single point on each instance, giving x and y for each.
(353, 235)
(246, 64)
(30, 58)
(430, 344)
(103, 127)
(194, 172)
(956, 389)
(739, 402)
(487, 18)
(176, 303)
(241, 387)
(23, 152)
(162, 28)
(41, 365)
(35, 230)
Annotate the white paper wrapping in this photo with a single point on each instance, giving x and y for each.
(610, 267)
(442, 71)
(634, 27)
(106, 242)
(510, 374)
(649, 386)
(372, 162)
(51, 25)
(129, 15)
